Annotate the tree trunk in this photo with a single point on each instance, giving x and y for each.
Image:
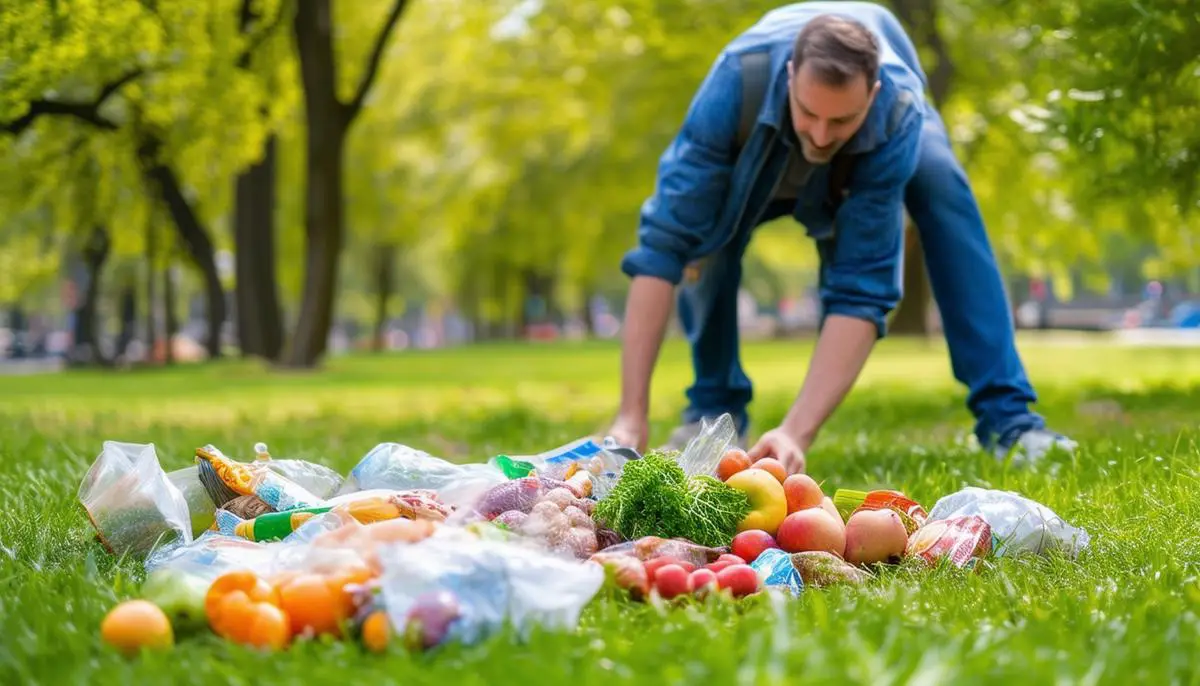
(128, 319)
(151, 277)
(326, 133)
(259, 320)
(169, 312)
(384, 276)
(328, 120)
(194, 237)
(920, 19)
(588, 317)
(86, 347)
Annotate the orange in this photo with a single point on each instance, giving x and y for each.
(247, 590)
(376, 632)
(313, 605)
(136, 624)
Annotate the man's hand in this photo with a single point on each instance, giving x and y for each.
(631, 432)
(779, 445)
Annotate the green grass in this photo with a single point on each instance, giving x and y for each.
(1125, 611)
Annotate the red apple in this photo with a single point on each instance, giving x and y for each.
(773, 467)
(741, 580)
(670, 581)
(734, 461)
(748, 545)
(802, 492)
(811, 529)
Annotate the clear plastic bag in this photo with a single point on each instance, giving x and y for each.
(398, 467)
(132, 504)
(200, 507)
(490, 583)
(317, 479)
(214, 554)
(704, 452)
(1018, 523)
(650, 547)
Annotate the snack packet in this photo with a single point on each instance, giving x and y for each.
(274, 489)
(775, 568)
(911, 513)
(964, 540)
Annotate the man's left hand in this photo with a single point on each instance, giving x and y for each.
(779, 445)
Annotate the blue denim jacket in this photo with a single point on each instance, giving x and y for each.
(706, 194)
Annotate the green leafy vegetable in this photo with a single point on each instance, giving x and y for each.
(654, 497)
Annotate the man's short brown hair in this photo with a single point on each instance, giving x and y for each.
(838, 50)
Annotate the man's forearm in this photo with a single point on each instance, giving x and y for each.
(842, 349)
(647, 310)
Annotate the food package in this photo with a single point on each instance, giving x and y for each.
(820, 568)
(964, 540)
(775, 569)
(1020, 525)
(601, 465)
(650, 547)
(131, 502)
(279, 492)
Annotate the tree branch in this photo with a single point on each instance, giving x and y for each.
(355, 105)
(84, 111)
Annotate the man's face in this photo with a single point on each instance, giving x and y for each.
(824, 116)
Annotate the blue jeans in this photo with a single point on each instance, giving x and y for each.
(966, 283)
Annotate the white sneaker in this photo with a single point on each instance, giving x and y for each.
(1034, 444)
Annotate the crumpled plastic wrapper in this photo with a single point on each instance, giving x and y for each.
(1019, 525)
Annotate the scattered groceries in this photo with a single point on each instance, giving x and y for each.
(410, 551)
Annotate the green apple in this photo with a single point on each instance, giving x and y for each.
(180, 595)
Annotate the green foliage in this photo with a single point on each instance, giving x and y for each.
(1124, 612)
(654, 497)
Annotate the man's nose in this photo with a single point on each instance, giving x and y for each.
(820, 134)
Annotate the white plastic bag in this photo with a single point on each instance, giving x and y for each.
(1018, 523)
(131, 502)
(493, 582)
(397, 467)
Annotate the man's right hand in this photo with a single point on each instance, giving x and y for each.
(631, 432)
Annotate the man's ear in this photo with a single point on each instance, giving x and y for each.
(791, 70)
(875, 88)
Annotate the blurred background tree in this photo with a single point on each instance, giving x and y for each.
(345, 169)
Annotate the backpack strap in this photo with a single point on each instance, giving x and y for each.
(756, 73)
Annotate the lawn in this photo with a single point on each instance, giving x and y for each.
(1126, 610)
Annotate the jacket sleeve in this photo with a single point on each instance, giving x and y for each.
(693, 179)
(863, 272)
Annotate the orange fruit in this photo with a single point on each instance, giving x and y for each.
(313, 605)
(269, 628)
(376, 631)
(136, 624)
(773, 467)
(338, 582)
(248, 589)
(734, 461)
